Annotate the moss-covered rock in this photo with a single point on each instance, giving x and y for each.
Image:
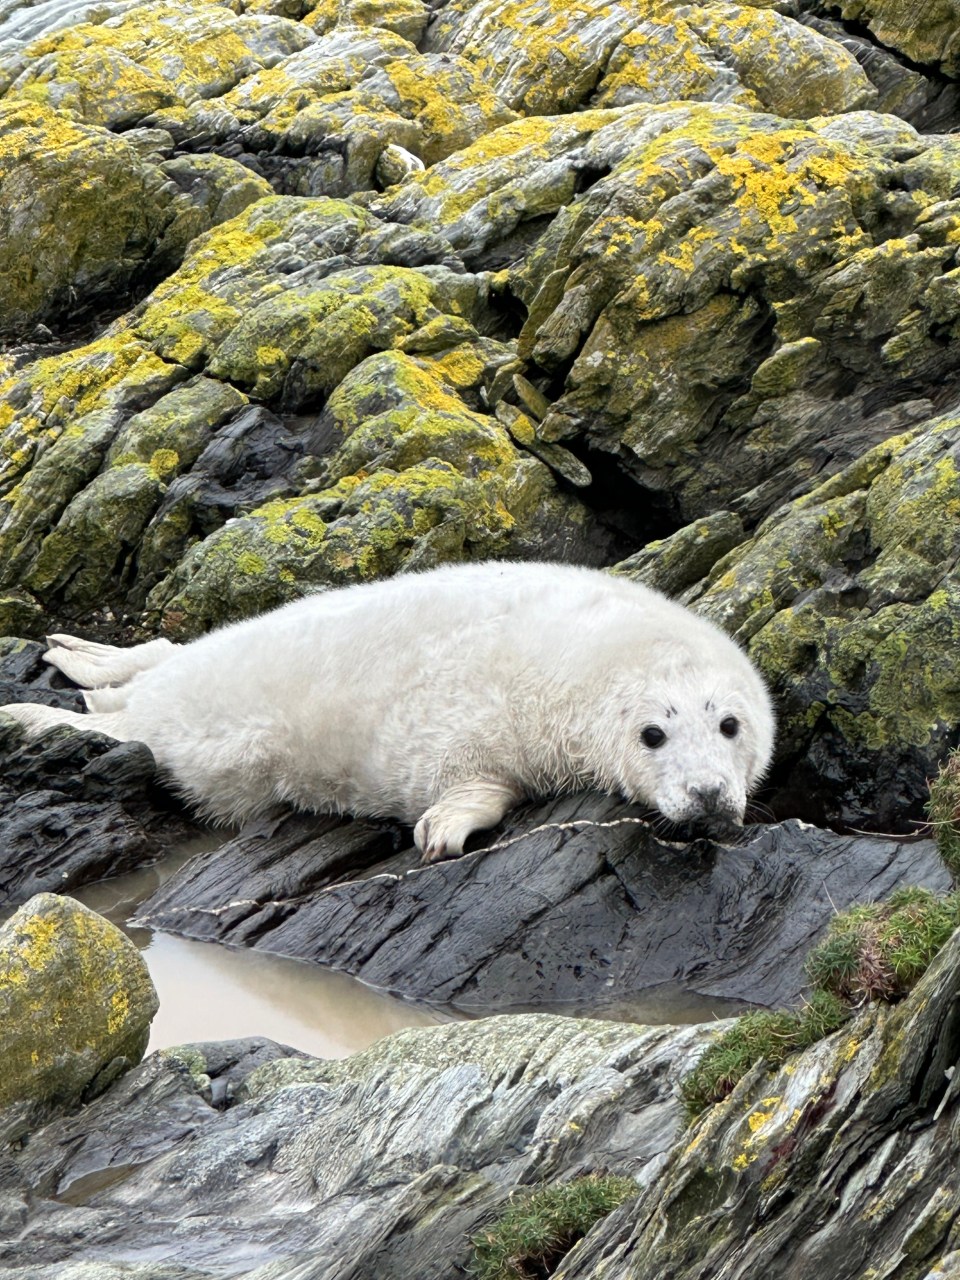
(745, 54)
(417, 479)
(96, 211)
(943, 811)
(765, 1182)
(105, 212)
(923, 30)
(743, 304)
(297, 346)
(849, 599)
(543, 56)
(152, 56)
(275, 246)
(322, 118)
(54, 394)
(76, 1002)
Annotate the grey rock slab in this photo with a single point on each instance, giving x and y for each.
(74, 807)
(576, 902)
(381, 1165)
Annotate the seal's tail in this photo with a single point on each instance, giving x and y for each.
(95, 666)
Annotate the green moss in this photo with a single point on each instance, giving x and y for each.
(539, 1228)
(943, 810)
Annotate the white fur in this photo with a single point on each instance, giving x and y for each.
(444, 696)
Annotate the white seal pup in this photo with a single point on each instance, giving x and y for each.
(441, 699)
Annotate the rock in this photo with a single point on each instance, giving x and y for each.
(923, 30)
(846, 1153)
(847, 598)
(546, 58)
(320, 121)
(73, 807)
(116, 73)
(412, 476)
(707, 290)
(76, 1002)
(96, 213)
(383, 1164)
(492, 929)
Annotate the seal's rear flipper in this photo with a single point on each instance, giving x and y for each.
(37, 719)
(93, 666)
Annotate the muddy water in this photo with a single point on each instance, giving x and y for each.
(211, 992)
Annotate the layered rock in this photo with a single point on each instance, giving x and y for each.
(386, 1162)
(575, 903)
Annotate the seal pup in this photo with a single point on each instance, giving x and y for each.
(442, 699)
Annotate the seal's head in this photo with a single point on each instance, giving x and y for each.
(696, 741)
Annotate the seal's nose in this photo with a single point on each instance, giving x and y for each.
(708, 799)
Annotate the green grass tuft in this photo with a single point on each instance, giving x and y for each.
(873, 951)
(879, 950)
(770, 1036)
(538, 1228)
(943, 810)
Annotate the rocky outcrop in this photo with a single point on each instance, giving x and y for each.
(845, 1155)
(76, 1003)
(576, 902)
(847, 598)
(382, 1164)
(106, 213)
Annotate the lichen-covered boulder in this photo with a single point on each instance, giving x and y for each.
(74, 524)
(115, 73)
(544, 56)
(105, 212)
(845, 1155)
(849, 600)
(76, 1003)
(45, 398)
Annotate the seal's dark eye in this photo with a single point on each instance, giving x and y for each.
(730, 727)
(653, 736)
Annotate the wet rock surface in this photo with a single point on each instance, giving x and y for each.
(330, 1169)
(576, 902)
(74, 808)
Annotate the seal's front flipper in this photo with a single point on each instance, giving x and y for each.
(465, 808)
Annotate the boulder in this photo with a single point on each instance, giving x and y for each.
(76, 1002)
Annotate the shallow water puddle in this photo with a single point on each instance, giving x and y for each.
(211, 992)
